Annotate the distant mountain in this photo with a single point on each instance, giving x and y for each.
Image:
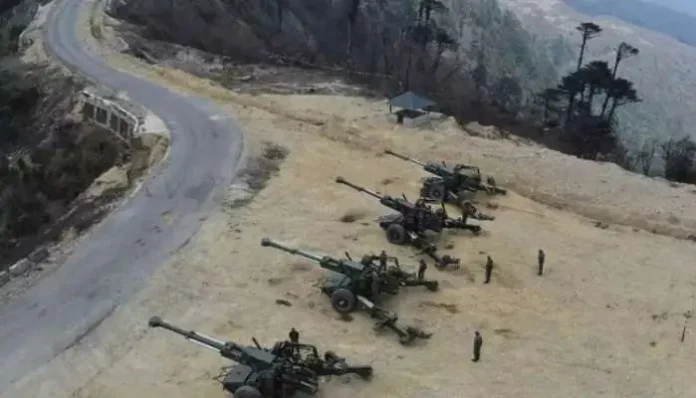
(685, 6)
(664, 72)
(645, 14)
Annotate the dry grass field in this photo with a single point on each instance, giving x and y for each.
(605, 320)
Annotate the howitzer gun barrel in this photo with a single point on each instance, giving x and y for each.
(272, 243)
(157, 322)
(343, 181)
(403, 157)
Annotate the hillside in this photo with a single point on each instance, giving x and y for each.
(471, 56)
(605, 320)
(58, 172)
(663, 72)
(645, 14)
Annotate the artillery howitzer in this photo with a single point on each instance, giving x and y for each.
(353, 283)
(450, 184)
(468, 211)
(288, 370)
(258, 373)
(394, 272)
(411, 218)
(410, 224)
(308, 356)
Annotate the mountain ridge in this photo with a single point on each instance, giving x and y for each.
(662, 72)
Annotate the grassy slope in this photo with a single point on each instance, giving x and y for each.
(583, 330)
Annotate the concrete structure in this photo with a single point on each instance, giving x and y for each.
(415, 110)
(4, 277)
(20, 267)
(25, 265)
(112, 113)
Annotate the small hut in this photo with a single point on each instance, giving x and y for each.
(414, 109)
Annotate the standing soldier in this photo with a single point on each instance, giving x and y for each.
(468, 210)
(294, 335)
(478, 342)
(489, 269)
(421, 270)
(542, 256)
(383, 260)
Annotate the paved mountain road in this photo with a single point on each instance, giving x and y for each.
(121, 252)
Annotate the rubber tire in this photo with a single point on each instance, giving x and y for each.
(247, 392)
(437, 193)
(343, 301)
(396, 234)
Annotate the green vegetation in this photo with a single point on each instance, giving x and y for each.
(581, 113)
(17, 100)
(663, 73)
(46, 160)
(470, 56)
(38, 186)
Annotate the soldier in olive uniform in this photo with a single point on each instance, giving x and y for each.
(383, 260)
(421, 270)
(478, 342)
(294, 335)
(489, 269)
(542, 257)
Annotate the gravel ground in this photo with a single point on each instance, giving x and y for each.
(605, 320)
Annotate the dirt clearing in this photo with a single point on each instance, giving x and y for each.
(605, 320)
(584, 329)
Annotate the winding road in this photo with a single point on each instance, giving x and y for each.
(122, 251)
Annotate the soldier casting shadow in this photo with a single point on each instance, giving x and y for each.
(478, 342)
(489, 269)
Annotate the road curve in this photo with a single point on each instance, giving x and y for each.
(122, 251)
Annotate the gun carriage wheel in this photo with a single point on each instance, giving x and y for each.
(396, 234)
(437, 192)
(343, 301)
(247, 392)
(405, 340)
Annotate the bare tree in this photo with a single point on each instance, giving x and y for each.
(353, 8)
(444, 42)
(624, 51)
(622, 91)
(679, 159)
(548, 99)
(645, 157)
(589, 30)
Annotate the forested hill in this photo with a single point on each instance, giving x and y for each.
(646, 14)
(431, 46)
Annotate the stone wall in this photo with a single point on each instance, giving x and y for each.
(110, 115)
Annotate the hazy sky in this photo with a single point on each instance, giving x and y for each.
(685, 6)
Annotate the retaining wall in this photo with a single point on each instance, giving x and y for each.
(111, 115)
(24, 266)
